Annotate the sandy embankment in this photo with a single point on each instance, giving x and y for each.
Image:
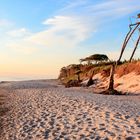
(129, 83)
(42, 110)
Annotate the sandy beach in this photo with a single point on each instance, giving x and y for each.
(43, 109)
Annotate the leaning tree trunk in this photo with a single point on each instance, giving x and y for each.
(135, 48)
(78, 77)
(111, 79)
(111, 90)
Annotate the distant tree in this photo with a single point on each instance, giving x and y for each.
(96, 58)
(87, 59)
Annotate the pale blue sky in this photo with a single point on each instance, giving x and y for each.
(38, 37)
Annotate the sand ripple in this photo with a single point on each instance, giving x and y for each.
(55, 113)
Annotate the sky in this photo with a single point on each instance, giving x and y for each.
(38, 37)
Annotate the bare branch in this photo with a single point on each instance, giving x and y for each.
(138, 40)
(127, 38)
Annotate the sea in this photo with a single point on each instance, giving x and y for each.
(24, 78)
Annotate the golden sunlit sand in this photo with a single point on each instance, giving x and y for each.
(44, 109)
(86, 54)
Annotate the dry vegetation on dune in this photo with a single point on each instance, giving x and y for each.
(127, 68)
(121, 70)
(68, 74)
(103, 68)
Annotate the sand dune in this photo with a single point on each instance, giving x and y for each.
(44, 110)
(128, 84)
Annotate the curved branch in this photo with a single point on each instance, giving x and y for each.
(138, 40)
(127, 38)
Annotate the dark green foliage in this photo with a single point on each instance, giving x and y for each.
(98, 57)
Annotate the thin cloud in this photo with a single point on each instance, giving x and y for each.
(22, 47)
(63, 31)
(103, 11)
(22, 32)
(5, 23)
(73, 24)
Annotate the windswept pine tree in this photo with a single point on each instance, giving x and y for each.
(95, 58)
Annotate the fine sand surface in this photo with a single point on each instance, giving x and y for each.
(129, 83)
(45, 110)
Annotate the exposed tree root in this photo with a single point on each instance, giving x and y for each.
(111, 92)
